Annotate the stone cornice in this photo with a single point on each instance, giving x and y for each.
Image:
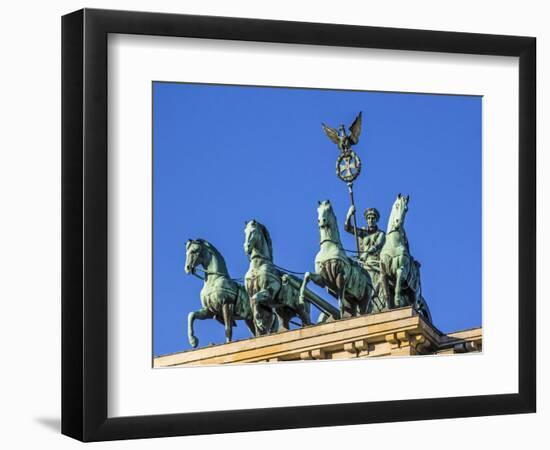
(391, 333)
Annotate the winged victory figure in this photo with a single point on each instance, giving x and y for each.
(340, 138)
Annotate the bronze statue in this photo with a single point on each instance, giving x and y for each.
(272, 298)
(371, 241)
(348, 164)
(384, 276)
(343, 140)
(222, 298)
(343, 277)
(399, 271)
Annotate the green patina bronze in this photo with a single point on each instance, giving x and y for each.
(348, 164)
(371, 241)
(343, 277)
(382, 277)
(222, 298)
(399, 271)
(272, 298)
(344, 140)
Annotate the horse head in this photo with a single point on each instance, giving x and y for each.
(256, 237)
(328, 225)
(398, 212)
(194, 255)
(325, 214)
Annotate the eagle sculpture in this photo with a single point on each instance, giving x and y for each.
(340, 138)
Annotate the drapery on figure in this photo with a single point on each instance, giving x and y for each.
(371, 241)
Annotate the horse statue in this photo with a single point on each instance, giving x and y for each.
(222, 298)
(274, 297)
(399, 272)
(343, 277)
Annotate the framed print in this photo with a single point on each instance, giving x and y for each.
(246, 202)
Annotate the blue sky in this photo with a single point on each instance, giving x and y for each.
(226, 154)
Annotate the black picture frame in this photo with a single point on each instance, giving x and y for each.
(84, 224)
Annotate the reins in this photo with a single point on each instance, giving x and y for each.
(340, 245)
(238, 280)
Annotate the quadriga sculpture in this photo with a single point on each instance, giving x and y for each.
(399, 272)
(344, 278)
(274, 297)
(222, 298)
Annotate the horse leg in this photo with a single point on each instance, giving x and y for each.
(304, 316)
(384, 286)
(301, 309)
(323, 317)
(228, 321)
(310, 276)
(416, 292)
(303, 287)
(274, 324)
(363, 304)
(284, 321)
(345, 307)
(201, 314)
(250, 326)
(403, 277)
(261, 300)
(385, 292)
(399, 278)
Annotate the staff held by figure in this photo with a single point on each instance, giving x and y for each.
(348, 164)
